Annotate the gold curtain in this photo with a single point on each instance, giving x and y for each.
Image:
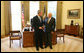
(7, 16)
(59, 15)
(2, 20)
(42, 3)
(26, 11)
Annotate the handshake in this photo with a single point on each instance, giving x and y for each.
(41, 27)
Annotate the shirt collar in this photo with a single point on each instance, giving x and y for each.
(49, 18)
(38, 15)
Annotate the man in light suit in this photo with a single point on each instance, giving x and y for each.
(49, 23)
(38, 30)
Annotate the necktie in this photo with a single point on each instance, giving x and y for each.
(48, 20)
(39, 18)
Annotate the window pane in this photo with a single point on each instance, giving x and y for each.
(34, 7)
(52, 7)
(16, 15)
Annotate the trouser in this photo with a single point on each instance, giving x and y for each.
(48, 39)
(39, 38)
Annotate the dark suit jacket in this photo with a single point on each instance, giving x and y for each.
(37, 23)
(49, 26)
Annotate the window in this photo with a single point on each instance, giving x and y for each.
(16, 15)
(52, 8)
(34, 7)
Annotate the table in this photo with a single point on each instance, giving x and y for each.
(28, 38)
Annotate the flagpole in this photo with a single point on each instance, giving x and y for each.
(23, 16)
(44, 12)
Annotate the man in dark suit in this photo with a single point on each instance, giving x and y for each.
(49, 23)
(38, 30)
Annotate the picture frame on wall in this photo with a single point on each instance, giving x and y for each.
(73, 14)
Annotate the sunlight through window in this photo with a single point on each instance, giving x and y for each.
(52, 8)
(34, 7)
(16, 15)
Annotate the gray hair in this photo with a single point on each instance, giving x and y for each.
(39, 11)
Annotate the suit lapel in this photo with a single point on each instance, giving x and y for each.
(41, 19)
(49, 21)
(38, 19)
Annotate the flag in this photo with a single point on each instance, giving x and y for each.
(22, 16)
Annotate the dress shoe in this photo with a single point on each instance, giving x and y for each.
(37, 49)
(45, 46)
(41, 47)
(51, 48)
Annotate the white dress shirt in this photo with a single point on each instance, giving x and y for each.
(39, 18)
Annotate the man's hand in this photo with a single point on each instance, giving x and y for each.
(40, 28)
(52, 32)
(43, 27)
